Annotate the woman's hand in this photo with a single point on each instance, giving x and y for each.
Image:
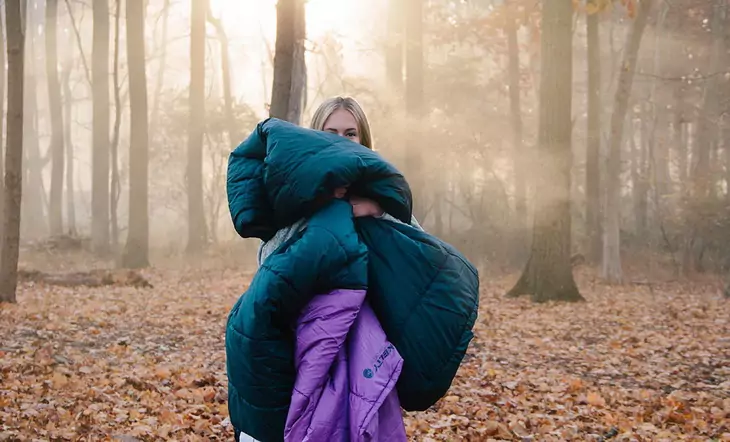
(360, 206)
(365, 207)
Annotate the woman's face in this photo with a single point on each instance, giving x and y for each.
(342, 123)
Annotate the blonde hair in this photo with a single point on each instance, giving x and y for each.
(328, 107)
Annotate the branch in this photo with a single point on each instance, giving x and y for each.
(78, 41)
(684, 78)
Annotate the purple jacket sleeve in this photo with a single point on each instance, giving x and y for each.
(346, 374)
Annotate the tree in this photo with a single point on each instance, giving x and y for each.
(10, 240)
(137, 247)
(593, 171)
(298, 95)
(520, 177)
(548, 274)
(68, 108)
(287, 90)
(33, 203)
(55, 212)
(2, 116)
(234, 134)
(415, 99)
(611, 268)
(114, 150)
(100, 152)
(196, 129)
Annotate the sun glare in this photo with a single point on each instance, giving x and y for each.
(323, 16)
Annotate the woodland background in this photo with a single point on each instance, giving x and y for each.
(572, 150)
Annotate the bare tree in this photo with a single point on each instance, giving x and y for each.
(298, 96)
(611, 269)
(289, 49)
(10, 240)
(520, 177)
(68, 110)
(55, 212)
(35, 198)
(162, 67)
(548, 274)
(136, 253)
(114, 151)
(100, 157)
(593, 151)
(233, 132)
(196, 128)
(2, 117)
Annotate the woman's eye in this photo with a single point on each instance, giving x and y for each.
(351, 134)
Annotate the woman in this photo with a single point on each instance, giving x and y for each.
(308, 356)
(345, 117)
(341, 116)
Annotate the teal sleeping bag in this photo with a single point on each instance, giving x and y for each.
(423, 291)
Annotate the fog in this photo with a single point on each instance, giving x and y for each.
(466, 134)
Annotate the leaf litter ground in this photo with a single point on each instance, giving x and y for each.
(633, 363)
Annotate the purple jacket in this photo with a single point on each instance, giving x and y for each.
(346, 374)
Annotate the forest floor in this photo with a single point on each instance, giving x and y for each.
(637, 362)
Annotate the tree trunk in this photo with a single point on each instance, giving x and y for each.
(394, 46)
(707, 121)
(100, 151)
(548, 274)
(161, 68)
(659, 158)
(297, 98)
(137, 248)
(2, 124)
(415, 103)
(611, 269)
(196, 127)
(14, 153)
(283, 58)
(702, 176)
(234, 134)
(33, 203)
(680, 144)
(593, 150)
(68, 111)
(55, 212)
(520, 177)
(638, 173)
(115, 186)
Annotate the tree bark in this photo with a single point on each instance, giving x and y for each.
(520, 177)
(297, 98)
(118, 107)
(548, 274)
(14, 153)
(100, 152)
(2, 124)
(34, 201)
(55, 212)
(680, 144)
(68, 111)
(611, 269)
(162, 67)
(137, 247)
(283, 58)
(196, 127)
(593, 150)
